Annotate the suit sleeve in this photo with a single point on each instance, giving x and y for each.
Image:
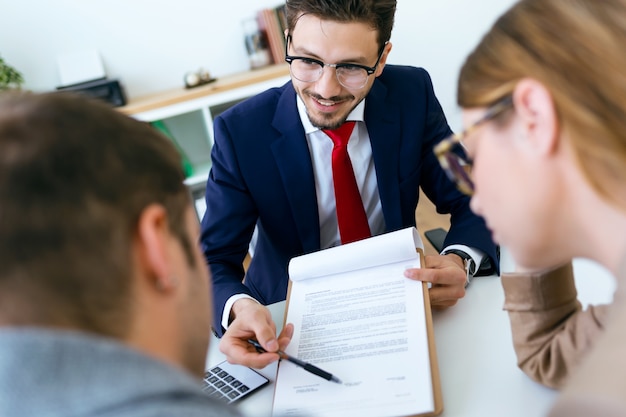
(228, 224)
(466, 228)
(551, 332)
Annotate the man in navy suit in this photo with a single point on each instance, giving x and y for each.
(271, 169)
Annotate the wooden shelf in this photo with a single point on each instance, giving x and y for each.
(187, 113)
(179, 95)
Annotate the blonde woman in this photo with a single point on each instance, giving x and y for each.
(543, 96)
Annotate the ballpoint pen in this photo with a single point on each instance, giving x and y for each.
(305, 365)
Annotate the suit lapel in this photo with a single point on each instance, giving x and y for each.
(384, 130)
(293, 159)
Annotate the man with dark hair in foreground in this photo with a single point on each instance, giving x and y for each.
(104, 294)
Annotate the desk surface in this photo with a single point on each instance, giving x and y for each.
(479, 375)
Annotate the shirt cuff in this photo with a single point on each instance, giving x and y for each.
(541, 290)
(476, 254)
(229, 305)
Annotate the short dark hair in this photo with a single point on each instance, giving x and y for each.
(75, 176)
(379, 14)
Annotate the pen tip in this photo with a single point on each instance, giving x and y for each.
(337, 380)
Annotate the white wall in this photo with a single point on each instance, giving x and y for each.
(150, 44)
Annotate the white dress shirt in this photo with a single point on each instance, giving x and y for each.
(360, 152)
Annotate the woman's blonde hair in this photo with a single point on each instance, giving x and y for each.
(576, 49)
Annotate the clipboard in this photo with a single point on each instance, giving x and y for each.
(437, 397)
(432, 349)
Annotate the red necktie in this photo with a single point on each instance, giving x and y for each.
(351, 215)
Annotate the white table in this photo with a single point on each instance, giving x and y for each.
(477, 364)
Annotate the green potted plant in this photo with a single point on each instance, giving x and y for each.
(10, 78)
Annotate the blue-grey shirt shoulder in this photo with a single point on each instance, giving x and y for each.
(59, 373)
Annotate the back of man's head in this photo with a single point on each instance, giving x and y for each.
(75, 175)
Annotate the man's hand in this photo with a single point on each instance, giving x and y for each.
(253, 321)
(447, 275)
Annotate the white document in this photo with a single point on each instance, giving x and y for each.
(357, 317)
(80, 66)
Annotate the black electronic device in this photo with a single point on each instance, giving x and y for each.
(436, 237)
(110, 91)
(229, 382)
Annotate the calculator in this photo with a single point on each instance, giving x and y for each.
(229, 383)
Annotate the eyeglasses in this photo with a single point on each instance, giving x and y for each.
(310, 70)
(451, 154)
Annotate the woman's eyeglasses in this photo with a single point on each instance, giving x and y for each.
(451, 154)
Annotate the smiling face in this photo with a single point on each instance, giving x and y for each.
(328, 103)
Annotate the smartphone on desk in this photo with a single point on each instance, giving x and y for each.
(229, 383)
(436, 237)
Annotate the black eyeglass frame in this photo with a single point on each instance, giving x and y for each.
(457, 166)
(370, 70)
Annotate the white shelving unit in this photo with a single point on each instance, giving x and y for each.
(188, 113)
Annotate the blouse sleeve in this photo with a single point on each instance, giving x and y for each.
(551, 331)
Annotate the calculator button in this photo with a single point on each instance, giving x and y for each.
(220, 384)
(209, 389)
(216, 395)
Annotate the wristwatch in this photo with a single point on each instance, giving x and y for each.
(468, 262)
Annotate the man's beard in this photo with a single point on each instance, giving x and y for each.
(329, 122)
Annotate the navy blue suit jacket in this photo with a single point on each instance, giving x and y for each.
(262, 175)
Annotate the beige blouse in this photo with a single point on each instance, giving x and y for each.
(560, 345)
(551, 332)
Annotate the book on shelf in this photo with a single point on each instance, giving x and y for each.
(272, 22)
(357, 317)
